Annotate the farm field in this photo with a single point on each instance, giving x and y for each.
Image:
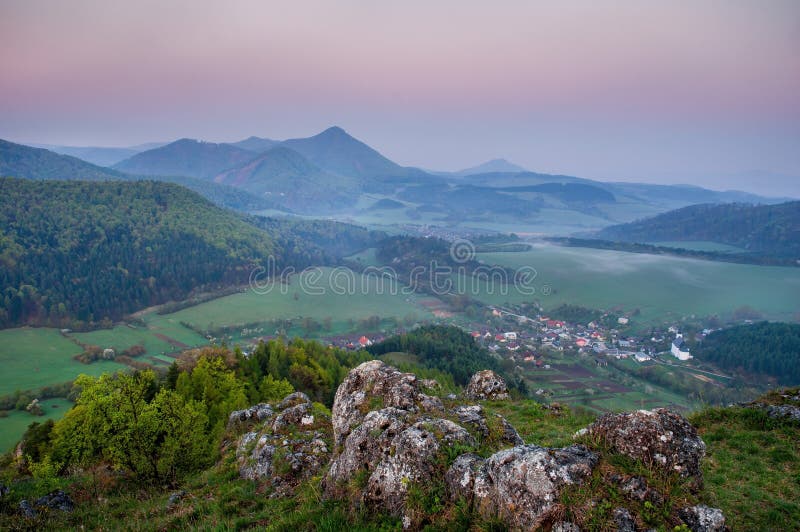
(578, 381)
(337, 294)
(162, 334)
(661, 287)
(33, 358)
(14, 426)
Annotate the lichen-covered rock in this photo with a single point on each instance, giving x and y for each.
(366, 445)
(371, 386)
(297, 415)
(703, 519)
(288, 446)
(474, 416)
(254, 454)
(658, 437)
(624, 521)
(293, 399)
(55, 500)
(256, 413)
(411, 461)
(787, 412)
(487, 384)
(566, 526)
(460, 476)
(520, 485)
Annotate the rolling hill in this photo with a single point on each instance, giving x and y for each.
(291, 181)
(26, 162)
(73, 250)
(256, 144)
(100, 155)
(18, 160)
(495, 165)
(186, 157)
(766, 229)
(336, 151)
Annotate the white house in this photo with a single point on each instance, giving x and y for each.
(641, 357)
(679, 348)
(510, 335)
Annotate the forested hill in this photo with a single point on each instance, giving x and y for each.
(765, 348)
(74, 251)
(765, 229)
(17, 160)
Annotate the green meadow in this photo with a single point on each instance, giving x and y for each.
(661, 287)
(14, 425)
(338, 294)
(33, 358)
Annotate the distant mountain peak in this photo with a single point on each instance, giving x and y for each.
(334, 130)
(493, 165)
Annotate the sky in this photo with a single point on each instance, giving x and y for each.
(680, 91)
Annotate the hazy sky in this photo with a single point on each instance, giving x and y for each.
(704, 92)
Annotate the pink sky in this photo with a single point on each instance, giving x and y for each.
(676, 91)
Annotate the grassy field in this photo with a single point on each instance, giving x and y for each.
(578, 381)
(14, 426)
(661, 287)
(337, 294)
(162, 334)
(32, 358)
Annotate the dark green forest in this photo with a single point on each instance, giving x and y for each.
(78, 252)
(445, 348)
(772, 230)
(75, 254)
(766, 348)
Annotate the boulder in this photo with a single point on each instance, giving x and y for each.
(254, 453)
(366, 446)
(487, 384)
(293, 399)
(288, 446)
(55, 500)
(624, 521)
(520, 485)
(256, 413)
(175, 498)
(460, 476)
(371, 386)
(566, 526)
(657, 437)
(411, 461)
(474, 416)
(703, 519)
(786, 412)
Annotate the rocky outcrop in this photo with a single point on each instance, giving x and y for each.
(55, 500)
(520, 485)
(254, 414)
(487, 384)
(703, 519)
(290, 443)
(785, 412)
(374, 385)
(474, 416)
(412, 462)
(656, 437)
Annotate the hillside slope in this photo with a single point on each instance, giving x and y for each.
(18, 160)
(336, 151)
(767, 229)
(186, 157)
(26, 162)
(93, 250)
(287, 178)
